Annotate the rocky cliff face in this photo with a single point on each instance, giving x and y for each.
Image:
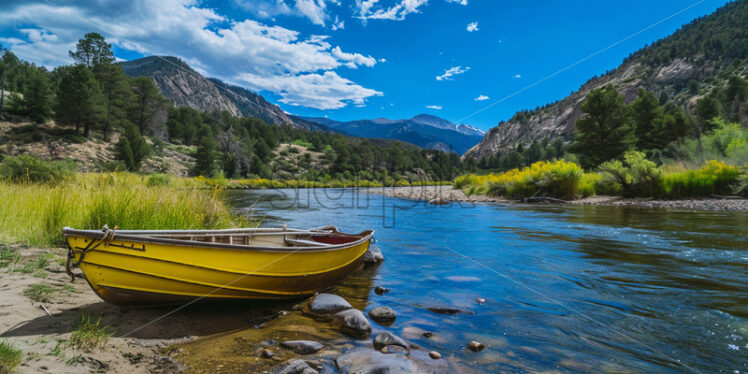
(664, 68)
(178, 82)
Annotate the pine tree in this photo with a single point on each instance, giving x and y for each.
(79, 100)
(124, 153)
(92, 50)
(707, 109)
(138, 148)
(205, 155)
(38, 98)
(606, 130)
(119, 98)
(147, 104)
(648, 116)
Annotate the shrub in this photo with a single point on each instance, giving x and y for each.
(158, 180)
(636, 176)
(715, 177)
(27, 169)
(551, 178)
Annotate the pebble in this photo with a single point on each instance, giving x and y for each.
(428, 334)
(476, 346)
(266, 353)
(382, 314)
(481, 300)
(435, 355)
(297, 366)
(381, 290)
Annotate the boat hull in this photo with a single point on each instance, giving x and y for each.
(131, 272)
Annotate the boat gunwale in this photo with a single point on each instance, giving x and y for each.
(132, 236)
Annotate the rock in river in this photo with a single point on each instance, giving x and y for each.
(297, 367)
(367, 361)
(303, 347)
(379, 290)
(266, 353)
(476, 346)
(373, 255)
(325, 303)
(435, 355)
(384, 339)
(438, 201)
(382, 314)
(354, 323)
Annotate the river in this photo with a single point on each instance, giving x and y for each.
(569, 288)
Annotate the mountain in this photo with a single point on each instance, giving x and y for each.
(681, 67)
(434, 121)
(423, 130)
(181, 84)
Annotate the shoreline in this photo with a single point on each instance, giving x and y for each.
(428, 193)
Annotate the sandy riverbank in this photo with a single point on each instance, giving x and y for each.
(427, 193)
(138, 342)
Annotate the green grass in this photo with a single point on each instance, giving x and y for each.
(8, 256)
(39, 292)
(34, 214)
(37, 267)
(303, 143)
(10, 357)
(89, 334)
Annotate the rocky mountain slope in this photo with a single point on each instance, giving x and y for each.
(423, 130)
(178, 82)
(682, 67)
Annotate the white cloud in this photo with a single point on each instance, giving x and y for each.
(314, 10)
(434, 107)
(368, 9)
(461, 2)
(211, 43)
(449, 73)
(481, 98)
(337, 24)
(517, 76)
(472, 26)
(321, 91)
(352, 60)
(382, 60)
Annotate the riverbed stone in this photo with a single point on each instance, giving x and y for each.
(266, 353)
(297, 366)
(373, 255)
(386, 338)
(354, 323)
(480, 300)
(435, 355)
(326, 303)
(438, 201)
(367, 361)
(382, 314)
(476, 346)
(303, 347)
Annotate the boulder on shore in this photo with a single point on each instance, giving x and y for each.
(326, 303)
(297, 366)
(354, 323)
(367, 361)
(303, 347)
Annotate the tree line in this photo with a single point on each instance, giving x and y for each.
(95, 96)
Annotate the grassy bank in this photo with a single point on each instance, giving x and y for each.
(34, 213)
(633, 177)
(262, 183)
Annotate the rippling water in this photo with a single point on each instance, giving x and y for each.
(590, 289)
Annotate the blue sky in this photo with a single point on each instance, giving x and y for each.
(365, 58)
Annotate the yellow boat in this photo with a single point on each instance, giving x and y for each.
(177, 266)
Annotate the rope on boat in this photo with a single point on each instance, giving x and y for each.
(107, 239)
